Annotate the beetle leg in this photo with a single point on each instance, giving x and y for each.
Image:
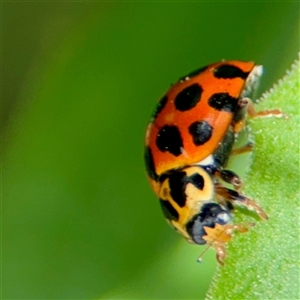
(219, 236)
(230, 177)
(235, 197)
(246, 102)
(248, 147)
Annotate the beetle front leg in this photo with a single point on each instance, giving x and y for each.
(235, 197)
(219, 236)
(230, 177)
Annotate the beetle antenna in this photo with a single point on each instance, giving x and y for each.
(199, 260)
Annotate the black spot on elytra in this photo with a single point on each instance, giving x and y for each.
(201, 132)
(226, 71)
(168, 210)
(188, 97)
(169, 139)
(193, 73)
(223, 102)
(150, 167)
(161, 104)
(178, 182)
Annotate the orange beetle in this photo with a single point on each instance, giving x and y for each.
(188, 142)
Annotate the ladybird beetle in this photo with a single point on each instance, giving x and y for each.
(189, 140)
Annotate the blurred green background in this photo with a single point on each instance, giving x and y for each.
(79, 82)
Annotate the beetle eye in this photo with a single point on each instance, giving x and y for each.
(223, 218)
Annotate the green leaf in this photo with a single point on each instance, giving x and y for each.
(264, 263)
